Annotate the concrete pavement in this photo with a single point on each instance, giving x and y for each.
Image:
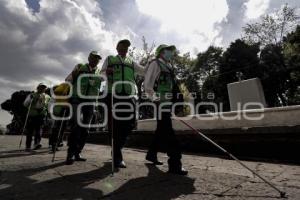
(33, 176)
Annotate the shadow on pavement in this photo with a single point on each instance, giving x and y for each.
(22, 186)
(157, 185)
(22, 153)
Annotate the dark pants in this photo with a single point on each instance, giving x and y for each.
(56, 136)
(34, 127)
(117, 128)
(165, 139)
(78, 135)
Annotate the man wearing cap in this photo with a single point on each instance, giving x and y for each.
(159, 86)
(37, 105)
(120, 71)
(85, 89)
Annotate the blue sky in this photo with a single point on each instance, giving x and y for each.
(42, 40)
(34, 4)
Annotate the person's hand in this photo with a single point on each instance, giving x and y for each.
(155, 98)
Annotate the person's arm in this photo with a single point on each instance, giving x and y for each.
(104, 67)
(139, 69)
(27, 101)
(151, 75)
(73, 75)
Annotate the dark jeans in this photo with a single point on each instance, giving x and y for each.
(78, 135)
(165, 139)
(56, 136)
(119, 129)
(34, 127)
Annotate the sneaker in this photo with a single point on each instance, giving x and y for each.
(179, 171)
(28, 150)
(121, 164)
(79, 158)
(38, 146)
(69, 160)
(153, 160)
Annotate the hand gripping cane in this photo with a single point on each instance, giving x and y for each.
(282, 194)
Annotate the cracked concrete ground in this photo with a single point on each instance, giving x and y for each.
(33, 176)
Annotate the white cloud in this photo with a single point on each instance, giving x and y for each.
(44, 46)
(193, 20)
(256, 8)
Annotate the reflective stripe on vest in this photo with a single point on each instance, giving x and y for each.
(123, 70)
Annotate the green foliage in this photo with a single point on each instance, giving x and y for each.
(274, 75)
(208, 62)
(272, 27)
(291, 51)
(240, 57)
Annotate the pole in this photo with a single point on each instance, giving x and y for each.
(112, 137)
(25, 123)
(282, 194)
(59, 133)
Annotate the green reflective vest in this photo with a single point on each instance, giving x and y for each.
(123, 70)
(39, 104)
(165, 82)
(89, 85)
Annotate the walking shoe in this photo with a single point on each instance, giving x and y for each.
(28, 150)
(79, 158)
(38, 146)
(178, 171)
(120, 164)
(69, 160)
(153, 160)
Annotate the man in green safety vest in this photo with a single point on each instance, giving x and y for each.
(37, 105)
(159, 86)
(120, 71)
(85, 89)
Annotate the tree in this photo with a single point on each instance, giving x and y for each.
(272, 27)
(291, 51)
(142, 55)
(207, 68)
(208, 62)
(14, 106)
(188, 81)
(239, 57)
(274, 75)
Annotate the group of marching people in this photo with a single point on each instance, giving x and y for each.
(84, 94)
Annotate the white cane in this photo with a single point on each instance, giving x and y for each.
(26, 120)
(112, 137)
(282, 194)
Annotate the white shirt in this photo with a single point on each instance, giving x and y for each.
(40, 101)
(152, 74)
